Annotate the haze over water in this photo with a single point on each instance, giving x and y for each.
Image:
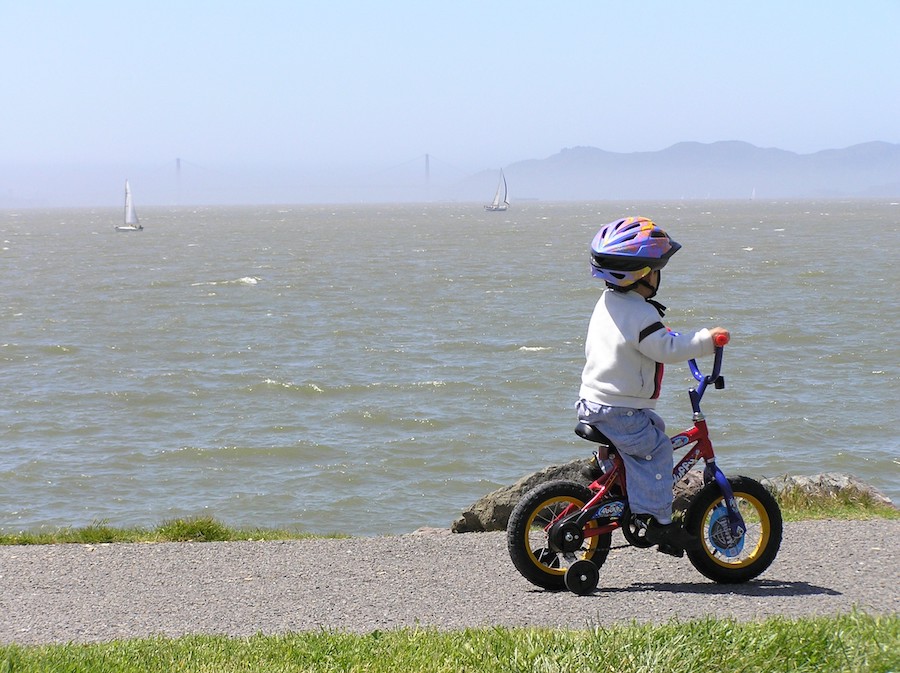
(374, 369)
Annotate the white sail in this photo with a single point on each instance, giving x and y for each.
(501, 197)
(130, 213)
(132, 223)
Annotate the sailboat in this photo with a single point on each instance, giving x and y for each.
(502, 192)
(131, 219)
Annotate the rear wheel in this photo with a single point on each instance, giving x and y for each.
(723, 557)
(528, 540)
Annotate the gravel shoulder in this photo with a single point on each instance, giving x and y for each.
(87, 593)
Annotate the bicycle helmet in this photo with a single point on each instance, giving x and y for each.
(625, 251)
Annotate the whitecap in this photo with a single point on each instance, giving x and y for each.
(245, 280)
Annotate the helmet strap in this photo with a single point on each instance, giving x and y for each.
(653, 290)
(648, 286)
(661, 309)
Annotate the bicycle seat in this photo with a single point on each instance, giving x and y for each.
(592, 434)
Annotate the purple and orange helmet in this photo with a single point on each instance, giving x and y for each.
(626, 250)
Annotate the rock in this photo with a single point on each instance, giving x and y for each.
(828, 483)
(686, 489)
(430, 531)
(492, 511)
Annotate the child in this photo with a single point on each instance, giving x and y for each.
(625, 349)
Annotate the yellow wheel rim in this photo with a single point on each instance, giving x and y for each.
(556, 506)
(756, 537)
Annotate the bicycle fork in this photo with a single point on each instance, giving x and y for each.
(711, 471)
(736, 526)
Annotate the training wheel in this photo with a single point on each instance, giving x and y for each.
(582, 577)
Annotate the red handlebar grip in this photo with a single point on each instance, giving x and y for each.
(720, 340)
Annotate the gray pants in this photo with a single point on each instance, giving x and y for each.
(639, 435)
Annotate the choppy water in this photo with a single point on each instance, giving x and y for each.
(373, 369)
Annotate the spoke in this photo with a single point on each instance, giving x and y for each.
(549, 514)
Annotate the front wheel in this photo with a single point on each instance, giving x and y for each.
(722, 557)
(527, 534)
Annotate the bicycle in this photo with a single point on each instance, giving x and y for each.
(560, 532)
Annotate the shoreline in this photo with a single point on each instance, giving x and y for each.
(489, 513)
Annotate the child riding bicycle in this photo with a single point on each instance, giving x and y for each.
(626, 348)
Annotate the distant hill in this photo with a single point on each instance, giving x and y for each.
(690, 170)
(732, 170)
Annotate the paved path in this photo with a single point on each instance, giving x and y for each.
(84, 593)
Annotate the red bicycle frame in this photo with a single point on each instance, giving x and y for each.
(609, 507)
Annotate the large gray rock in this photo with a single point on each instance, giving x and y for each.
(829, 483)
(492, 511)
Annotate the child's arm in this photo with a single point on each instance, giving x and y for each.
(672, 347)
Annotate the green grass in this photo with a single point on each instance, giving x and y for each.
(854, 642)
(798, 504)
(191, 529)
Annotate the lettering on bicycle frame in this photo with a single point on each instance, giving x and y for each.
(687, 463)
(612, 510)
(680, 440)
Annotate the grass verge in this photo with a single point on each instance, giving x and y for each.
(798, 504)
(852, 642)
(191, 529)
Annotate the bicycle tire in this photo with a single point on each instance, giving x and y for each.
(722, 558)
(527, 541)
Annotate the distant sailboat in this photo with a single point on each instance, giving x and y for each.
(131, 219)
(502, 193)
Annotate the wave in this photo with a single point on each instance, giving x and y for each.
(317, 388)
(245, 280)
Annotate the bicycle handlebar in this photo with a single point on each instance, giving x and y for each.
(720, 340)
(696, 394)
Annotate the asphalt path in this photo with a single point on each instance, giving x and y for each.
(432, 579)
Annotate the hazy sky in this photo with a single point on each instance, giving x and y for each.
(335, 83)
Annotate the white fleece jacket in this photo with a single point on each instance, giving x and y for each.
(626, 348)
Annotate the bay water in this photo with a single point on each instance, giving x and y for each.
(371, 369)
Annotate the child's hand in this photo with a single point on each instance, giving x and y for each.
(719, 335)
